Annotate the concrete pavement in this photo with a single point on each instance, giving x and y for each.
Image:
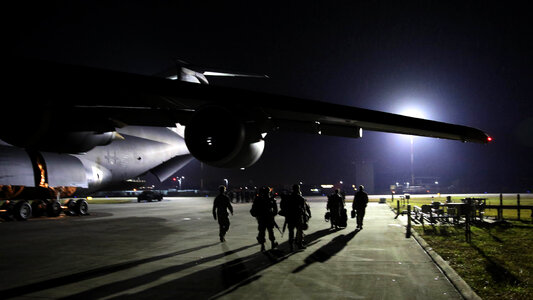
(170, 250)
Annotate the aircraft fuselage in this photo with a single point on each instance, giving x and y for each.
(142, 149)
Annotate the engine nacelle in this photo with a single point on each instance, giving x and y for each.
(219, 137)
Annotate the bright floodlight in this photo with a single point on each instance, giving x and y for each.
(413, 112)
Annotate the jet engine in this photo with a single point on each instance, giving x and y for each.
(222, 137)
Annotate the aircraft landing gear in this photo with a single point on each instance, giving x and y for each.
(38, 208)
(6, 210)
(78, 207)
(22, 209)
(53, 208)
(82, 207)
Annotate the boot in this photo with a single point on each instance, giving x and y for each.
(263, 247)
(274, 244)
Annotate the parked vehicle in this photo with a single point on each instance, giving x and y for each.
(149, 196)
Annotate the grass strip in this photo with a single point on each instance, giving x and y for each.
(497, 264)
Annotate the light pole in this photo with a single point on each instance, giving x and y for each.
(414, 112)
(412, 162)
(179, 181)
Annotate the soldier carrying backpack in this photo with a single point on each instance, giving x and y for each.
(297, 213)
(337, 211)
(264, 209)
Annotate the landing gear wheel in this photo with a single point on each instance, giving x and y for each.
(8, 206)
(38, 208)
(71, 208)
(82, 207)
(53, 208)
(22, 210)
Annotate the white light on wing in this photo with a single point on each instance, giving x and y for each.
(209, 73)
(413, 112)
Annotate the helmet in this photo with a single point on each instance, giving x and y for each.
(296, 188)
(264, 190)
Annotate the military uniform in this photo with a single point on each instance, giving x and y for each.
(297, 213)
(264, 209)
(221, 206)
(335, 205)
(360, 201)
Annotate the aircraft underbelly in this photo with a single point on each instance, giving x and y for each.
(142, 149)
(133, 156)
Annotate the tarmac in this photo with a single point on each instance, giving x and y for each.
(171, 250)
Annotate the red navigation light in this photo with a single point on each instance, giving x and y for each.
(174, 179)
(489, 139)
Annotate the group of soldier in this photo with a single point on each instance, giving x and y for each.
(293, 207)
(241, 195)
(337, 211)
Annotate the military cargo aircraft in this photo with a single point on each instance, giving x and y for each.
(66, 129)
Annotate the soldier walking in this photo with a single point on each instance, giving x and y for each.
(297, 213)
(264, 209)
(221, 206)
(360, 200)
(335, 206)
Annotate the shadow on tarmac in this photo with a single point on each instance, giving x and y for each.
(327, 251)
(213, 282)
(73, 278)
(119, 286)
(44, 218)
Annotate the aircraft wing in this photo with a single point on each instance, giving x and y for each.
(100, 100)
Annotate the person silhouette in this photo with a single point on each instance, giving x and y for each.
(297, 213)
(360, 200)
(221, 206)
(264, 209)
(335, 206)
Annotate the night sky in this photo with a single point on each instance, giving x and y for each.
(457, 62)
